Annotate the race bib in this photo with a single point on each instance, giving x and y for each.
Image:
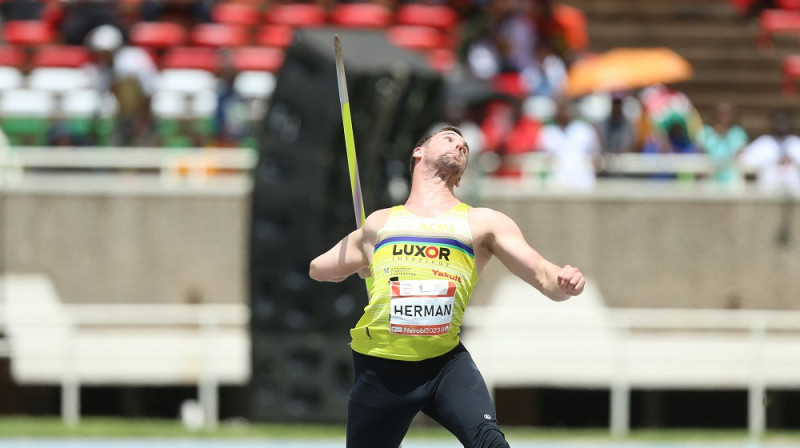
(421, 307)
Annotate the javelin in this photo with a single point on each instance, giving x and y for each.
(349, 141)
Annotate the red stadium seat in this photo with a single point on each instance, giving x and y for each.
(426, 15)
(775, 21)
(361, 15)
(236, 14)
(510, 84)
(12, 56)
(788, 4)
(524, 137)
(218, 35)
(279, 36)
(191, 57)
(791, 73)
(61, 56)
(742, 7)
(299, 14)
(157, 34)
(258, 59)
(27, 32)
(416, 37)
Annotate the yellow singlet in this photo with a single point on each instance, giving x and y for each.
(423, 272)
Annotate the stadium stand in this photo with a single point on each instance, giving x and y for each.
(776, 21)
(60, 56)
(218, 35)
(438, 16)
(361, 15)
(258, 59)
(28, 32)
(10, 78)
(240, 14)
(157, 35)
(252, 33)
(296, 15)
(710, 34)
(12, 56)
(277, 35)
(199, 58)
(25, 115)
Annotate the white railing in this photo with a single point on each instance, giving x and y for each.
(17, 161)
(172, 165)
(536, 163)
(623, 349)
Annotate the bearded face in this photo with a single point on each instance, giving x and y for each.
(449, 168)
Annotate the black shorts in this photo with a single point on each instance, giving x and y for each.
(387, 394)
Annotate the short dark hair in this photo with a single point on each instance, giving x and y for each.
(425, 139)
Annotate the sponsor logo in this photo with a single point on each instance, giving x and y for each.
(436, 227)
(453, 277)
(417, 250)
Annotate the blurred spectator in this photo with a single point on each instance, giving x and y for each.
(548, 75)
(198, 10)
(502, 40)
(776, 157)
(21, 10)
(617, 133)
(723, 142)
(672, 120)
(230, 118)
(59, 134)
(507, 135)
(574, 145)
(82, 16)
(130, 74)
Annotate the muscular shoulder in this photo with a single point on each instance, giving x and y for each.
(377, 219)
(375, 222)
(484, 223)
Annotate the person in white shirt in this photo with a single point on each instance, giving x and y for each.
(775, 157)
(575, 147)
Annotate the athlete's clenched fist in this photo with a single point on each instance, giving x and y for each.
(571, 280)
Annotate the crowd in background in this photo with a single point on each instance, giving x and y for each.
(518, 50)
(520, 47)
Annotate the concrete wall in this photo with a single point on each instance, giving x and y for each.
(178, 246)
(684, 251)
(133, 245)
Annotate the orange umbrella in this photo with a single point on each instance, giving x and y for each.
(627, 68)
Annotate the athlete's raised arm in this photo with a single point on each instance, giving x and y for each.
(502, 237)
(350, 255)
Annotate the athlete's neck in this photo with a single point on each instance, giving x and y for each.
(430, 197)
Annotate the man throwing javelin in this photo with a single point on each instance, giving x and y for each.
(425, 258)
